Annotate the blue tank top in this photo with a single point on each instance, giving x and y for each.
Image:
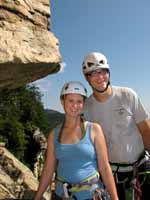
(76, 161)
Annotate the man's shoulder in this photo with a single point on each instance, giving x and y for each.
(118, 90)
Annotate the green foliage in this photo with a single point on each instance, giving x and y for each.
(21, 111)
(14, 136)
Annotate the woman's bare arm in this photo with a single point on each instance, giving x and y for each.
(103, 161)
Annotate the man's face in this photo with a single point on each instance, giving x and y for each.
(98, 79)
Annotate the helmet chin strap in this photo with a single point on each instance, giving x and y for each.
(102, 91)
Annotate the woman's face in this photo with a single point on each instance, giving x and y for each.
(73, 104)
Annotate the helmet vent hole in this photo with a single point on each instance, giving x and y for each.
(90, 64)
(102, 62)
(76, 88)
(67, 86)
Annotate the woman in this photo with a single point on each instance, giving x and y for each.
(79, 148)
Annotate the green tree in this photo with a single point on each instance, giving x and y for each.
(21, 111)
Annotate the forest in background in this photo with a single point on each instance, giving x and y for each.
(21, 112)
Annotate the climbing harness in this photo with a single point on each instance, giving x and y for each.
(132, 182)
(84, 185)
(91, 182)
(99, 194)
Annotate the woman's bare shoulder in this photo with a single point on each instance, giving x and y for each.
(96, 126)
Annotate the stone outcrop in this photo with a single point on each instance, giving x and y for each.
(28, 49)
(41, 141)
(16, 180)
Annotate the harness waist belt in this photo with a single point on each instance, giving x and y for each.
(126, 167)
(84, 185)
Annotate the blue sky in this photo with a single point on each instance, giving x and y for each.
(119, 29)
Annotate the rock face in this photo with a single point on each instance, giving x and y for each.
(41, 142)
(16, 180)
(28, 50)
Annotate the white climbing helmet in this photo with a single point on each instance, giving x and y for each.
(94, 61)
(74, 87)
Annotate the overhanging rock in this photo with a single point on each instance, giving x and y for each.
(28, 50)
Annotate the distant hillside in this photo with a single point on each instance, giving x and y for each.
(54, 118)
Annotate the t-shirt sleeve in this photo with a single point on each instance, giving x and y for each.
(139, 111)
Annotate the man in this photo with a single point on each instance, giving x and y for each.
(125, 124)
